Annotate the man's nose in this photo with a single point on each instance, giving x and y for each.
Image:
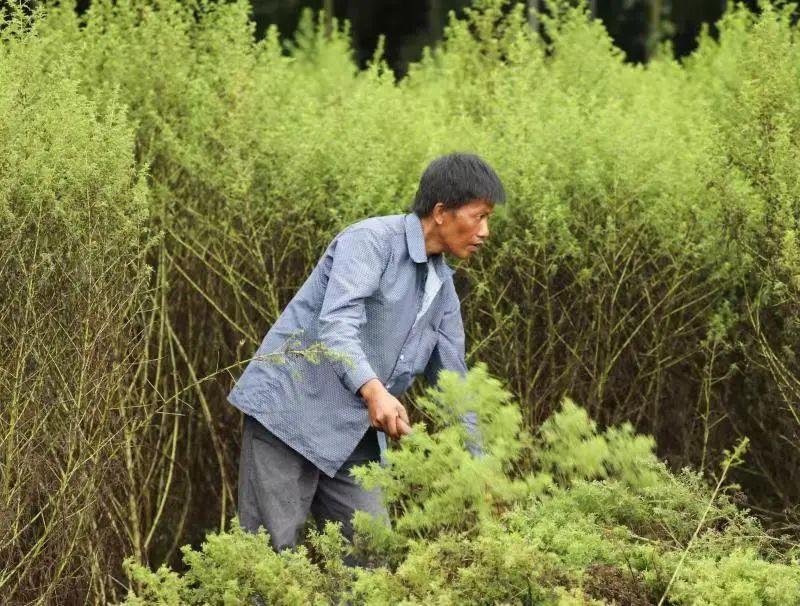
(483, 232)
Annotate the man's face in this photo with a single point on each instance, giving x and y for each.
(465, 228)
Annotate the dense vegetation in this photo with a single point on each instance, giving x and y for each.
(167, 182)
(594, 519)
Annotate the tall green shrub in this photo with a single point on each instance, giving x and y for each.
(74, 210)
(646, 264)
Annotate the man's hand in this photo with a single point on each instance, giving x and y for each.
(385, 411)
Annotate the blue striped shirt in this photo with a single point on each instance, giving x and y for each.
(376, 297)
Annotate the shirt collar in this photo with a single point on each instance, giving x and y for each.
(415, 239)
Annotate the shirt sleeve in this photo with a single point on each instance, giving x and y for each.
(449, 354)
(358, 263)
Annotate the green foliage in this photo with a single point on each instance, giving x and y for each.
(228, 569)
(167, 182)
(434, 483)
(74, 208)
(511, 541)
(573, 449)
(738, 577)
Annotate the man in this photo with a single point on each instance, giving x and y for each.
(382, 298)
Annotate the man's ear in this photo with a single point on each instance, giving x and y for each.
(438, 213)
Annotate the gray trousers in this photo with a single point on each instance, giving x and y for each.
(278, 488)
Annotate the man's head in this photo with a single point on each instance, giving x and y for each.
(456, 195)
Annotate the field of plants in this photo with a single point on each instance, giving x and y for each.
(167, 182)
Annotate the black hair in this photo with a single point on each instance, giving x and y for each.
(454, 180)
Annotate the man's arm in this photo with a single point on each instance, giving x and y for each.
(449, 354)
(358, 263)
(359, 260)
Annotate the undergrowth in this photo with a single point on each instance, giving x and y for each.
(607, 524)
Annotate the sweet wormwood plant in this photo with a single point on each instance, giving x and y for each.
(172, 180)
(570, 515)
(295, 348)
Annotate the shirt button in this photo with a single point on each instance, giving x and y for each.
(402, 357)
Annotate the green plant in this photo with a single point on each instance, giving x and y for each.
(167, 182)
(465, 530)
